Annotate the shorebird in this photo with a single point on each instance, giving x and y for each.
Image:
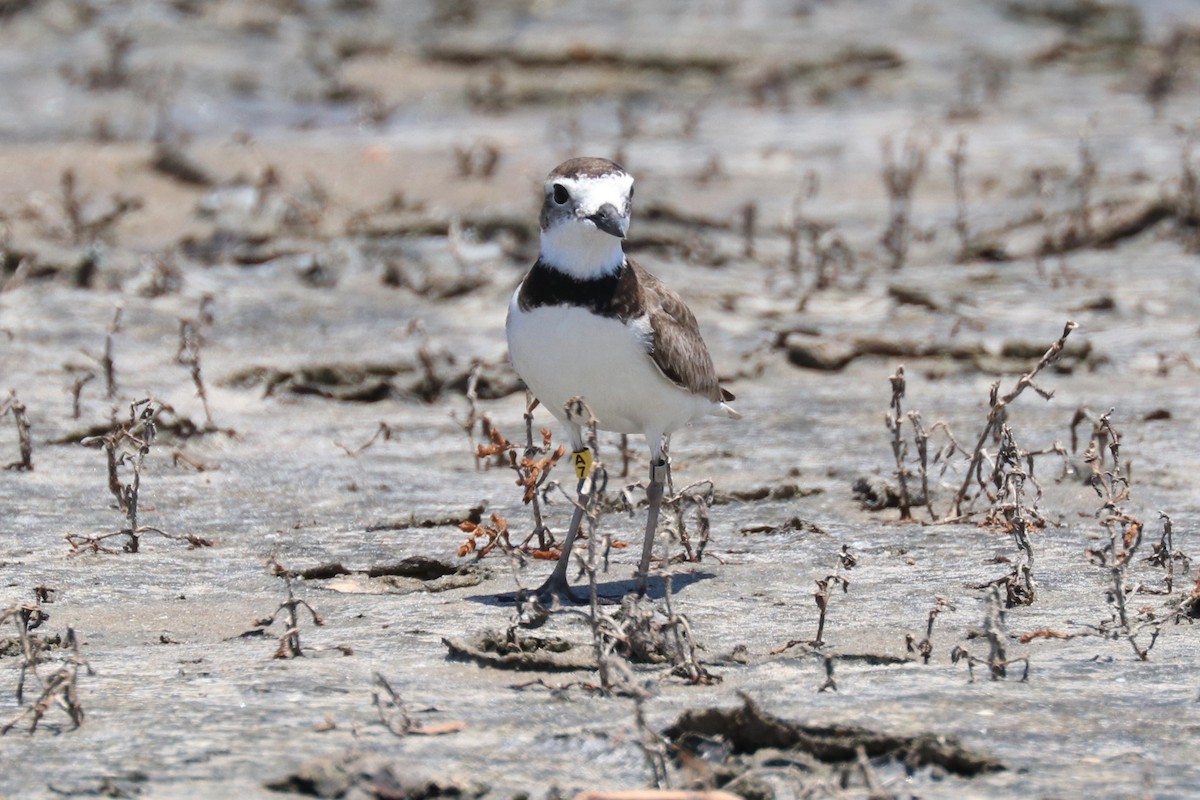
(588, 322)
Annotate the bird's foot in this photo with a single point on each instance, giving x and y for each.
(555, 591)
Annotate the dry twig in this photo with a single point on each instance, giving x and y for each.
(289, 640)
(1125, 533)
(996, 633)
(16, 408)
(191, 340)
(998, 412)
(900, 177)
(846, 561)
(1012, 468)
(899, 447)
(127, 445)
(924, 647)
(61, 687)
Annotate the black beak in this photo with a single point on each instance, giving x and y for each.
(609, 220)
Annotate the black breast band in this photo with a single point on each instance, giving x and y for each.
(609, 296)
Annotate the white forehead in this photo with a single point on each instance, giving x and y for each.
(592, 192)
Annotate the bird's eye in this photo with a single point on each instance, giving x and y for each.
(561, 195)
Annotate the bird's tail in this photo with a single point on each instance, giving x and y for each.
(723, 406)
(727, 410)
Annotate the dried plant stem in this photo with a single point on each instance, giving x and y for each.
(1168, 547)
(397, 719)
(606, 632)
(652, 745)
(1013, 467)
(899, 448)
(875, 789)
(289, 640)
(998, 411)
(997, 636)
(77, 390)
(699, 494)
(921, 440)
(71, 206)
(60, 688)
(1124, 534)
(191, 340)
(823, 595)
(473, 415)
(994, 630)
(825, 591)
(544, 536)
(107, 365)
(1165, 555)
(383, 431)
(1187, 201)
(900, 176)
(797, 225)
(958, 161)
(749, 225)
(533, 468)
(924, 648)
(686, 660)
(1088, 172)
(128, 444)
(16, 408)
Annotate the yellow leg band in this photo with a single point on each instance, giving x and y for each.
(582, 461)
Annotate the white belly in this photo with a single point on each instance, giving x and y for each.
(565, 351)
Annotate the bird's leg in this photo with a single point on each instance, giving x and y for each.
(556, 586)
(660, 469)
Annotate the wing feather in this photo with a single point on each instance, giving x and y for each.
(678, 349)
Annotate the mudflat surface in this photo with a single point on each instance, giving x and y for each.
(354, 187)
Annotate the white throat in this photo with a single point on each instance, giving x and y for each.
(577, 248)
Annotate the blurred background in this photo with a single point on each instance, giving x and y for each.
(444, 104)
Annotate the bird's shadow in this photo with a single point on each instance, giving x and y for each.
(610, 592)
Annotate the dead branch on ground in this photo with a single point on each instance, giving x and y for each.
(289, 640)
(900, 176)
(924, 647)
(996, 633)
(16, 408)
(998, 413)
(61, 687)
(126, 446)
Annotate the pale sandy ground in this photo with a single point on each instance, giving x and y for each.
(181, 705)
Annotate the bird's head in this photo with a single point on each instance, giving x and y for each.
(585, 216)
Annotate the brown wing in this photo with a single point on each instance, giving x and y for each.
(679, 351)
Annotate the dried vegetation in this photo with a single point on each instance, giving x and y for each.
(992, 474)
(59, 689)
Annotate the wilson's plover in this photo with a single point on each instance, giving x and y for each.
(586, 321)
